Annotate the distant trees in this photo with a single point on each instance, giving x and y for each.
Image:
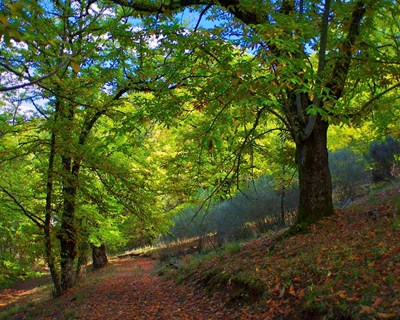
(257, 209)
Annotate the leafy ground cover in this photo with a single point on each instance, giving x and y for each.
(346, 267)
(127, 289)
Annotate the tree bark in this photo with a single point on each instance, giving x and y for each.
(99, 257)
(50, 259)
(68, 240)
(68, 234)
(314, 176)
(83, 256)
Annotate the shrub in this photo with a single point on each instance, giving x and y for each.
(255, 210)
(382, 157)
(348, 174)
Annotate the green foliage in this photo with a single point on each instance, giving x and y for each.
(135, 118)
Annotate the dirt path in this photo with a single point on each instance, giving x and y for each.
(131, 291)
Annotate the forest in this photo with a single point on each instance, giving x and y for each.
(128, 125)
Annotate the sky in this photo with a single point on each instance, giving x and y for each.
(187, 16)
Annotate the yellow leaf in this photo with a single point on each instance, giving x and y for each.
(282, 292)
(4, 21)
(367, 310)
(76, 66)
(292, 291)
(387, 315)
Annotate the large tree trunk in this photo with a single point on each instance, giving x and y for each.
(99, 257)
(314, 176)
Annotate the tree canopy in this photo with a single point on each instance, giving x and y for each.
(118, 112)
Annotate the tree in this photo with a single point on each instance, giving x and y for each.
(78, 60)
(21, 244)
(312, 59)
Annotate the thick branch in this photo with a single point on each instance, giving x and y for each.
(250, 15)
(342, 66)
(160, 7)
(321, 66)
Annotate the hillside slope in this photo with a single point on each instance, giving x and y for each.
(347, 267)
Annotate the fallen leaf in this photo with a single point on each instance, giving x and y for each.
(386, 315)
(282, 292)
(377, 302)
(367, 310)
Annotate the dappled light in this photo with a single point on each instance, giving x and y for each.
(194, 159)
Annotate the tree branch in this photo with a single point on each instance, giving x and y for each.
(342, 66)
(250, 15)
(37, 220)
(309, 128)
(31, 81)
(203, 12)
(365, 106)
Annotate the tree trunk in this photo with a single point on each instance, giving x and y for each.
(68, 240)
(99, 257)
(68, 234)
(50, 259)
(314, 176)
(83, 255)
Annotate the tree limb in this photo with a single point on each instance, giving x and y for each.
(365, 106)
(235, 7)
(321, 66)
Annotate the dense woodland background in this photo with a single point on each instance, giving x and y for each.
(126, 124)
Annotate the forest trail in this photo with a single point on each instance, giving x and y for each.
(347, 266)
(127, 289)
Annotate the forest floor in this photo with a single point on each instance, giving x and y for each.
(127, 289)
(346, 267)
